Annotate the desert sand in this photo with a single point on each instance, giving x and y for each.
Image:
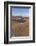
(20, 27)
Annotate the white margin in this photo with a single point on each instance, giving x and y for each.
(30, 37)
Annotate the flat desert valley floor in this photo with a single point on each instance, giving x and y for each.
(19, 26)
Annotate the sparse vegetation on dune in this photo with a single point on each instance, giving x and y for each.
(20, 28)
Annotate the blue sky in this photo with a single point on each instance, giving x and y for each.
(20, 11)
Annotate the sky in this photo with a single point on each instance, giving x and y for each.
(20, 11)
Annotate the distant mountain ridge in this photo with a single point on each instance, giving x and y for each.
(15, 17)
(18, 18)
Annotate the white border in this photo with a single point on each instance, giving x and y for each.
(30, 37)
